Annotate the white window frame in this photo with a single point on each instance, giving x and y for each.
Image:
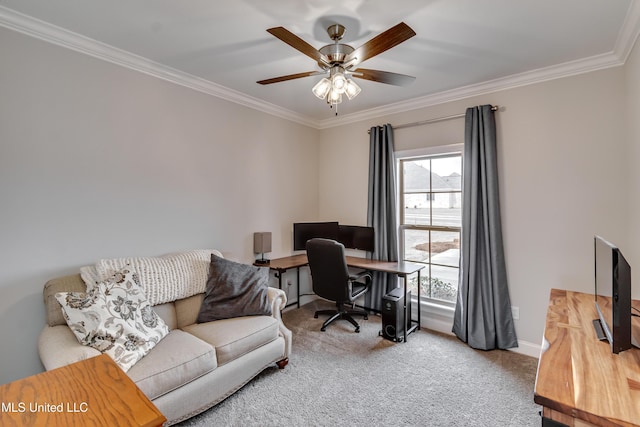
(442, 308)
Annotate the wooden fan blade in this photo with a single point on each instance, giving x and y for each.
(380, 43)
(290, 77)
(297, 43)
(383, 77)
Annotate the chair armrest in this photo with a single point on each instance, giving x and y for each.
(357, 279)
(278, 300)
(366, 274)
(58, 346)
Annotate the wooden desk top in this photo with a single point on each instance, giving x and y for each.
(93, 392)
(402, 268)
(578, 375)
(285, 263)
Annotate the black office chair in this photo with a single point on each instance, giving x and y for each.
(332, 281)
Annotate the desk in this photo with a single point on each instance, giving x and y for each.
(401, 268)
(579, 381)
(92, 392)
(281, 265)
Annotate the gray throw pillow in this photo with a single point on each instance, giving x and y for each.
(234, 290)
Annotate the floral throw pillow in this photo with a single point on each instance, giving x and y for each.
(115, 318)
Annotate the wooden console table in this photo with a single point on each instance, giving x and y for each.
(580, 382)
(93, 392)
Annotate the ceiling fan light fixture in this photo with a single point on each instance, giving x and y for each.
(339, 60)
(322, 88)
(352, 89)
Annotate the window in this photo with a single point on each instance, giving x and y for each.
(430, 222)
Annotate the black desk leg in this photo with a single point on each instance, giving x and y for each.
(298, 285)
(419, 286)
(408, 325)
(405, 324)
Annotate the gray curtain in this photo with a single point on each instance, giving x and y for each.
(381, 210)
(483, 311)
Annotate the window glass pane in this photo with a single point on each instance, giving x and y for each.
(417, 215)
(445, 248)
(447, 173)
(416, 176)
(442, 284)
(416, 245)
(446, 210)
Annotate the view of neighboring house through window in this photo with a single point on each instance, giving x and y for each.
(430, 218)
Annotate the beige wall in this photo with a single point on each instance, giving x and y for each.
(563, 178)
(632, 110)
(100, 161)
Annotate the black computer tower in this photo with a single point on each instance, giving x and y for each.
(393, 326)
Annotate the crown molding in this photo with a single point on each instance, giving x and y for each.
(59, 36)
(522, 79)
(629, 32)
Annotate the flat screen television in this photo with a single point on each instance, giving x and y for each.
(613, 295)
(357, 237)
(303, 231)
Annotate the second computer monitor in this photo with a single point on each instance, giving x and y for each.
(357, 237)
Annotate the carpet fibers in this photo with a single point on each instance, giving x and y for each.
(343, 378)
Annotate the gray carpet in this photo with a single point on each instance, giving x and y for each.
(343, 378)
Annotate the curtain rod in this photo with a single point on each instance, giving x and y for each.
(439, 119)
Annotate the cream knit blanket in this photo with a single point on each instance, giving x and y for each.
(164, 278)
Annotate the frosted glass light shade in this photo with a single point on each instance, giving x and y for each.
(321, 89)
(352, 89)
(338, 83)
(334, 97)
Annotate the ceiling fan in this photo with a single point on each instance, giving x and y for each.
(339, 60)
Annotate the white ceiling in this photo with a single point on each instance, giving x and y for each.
(462, 47)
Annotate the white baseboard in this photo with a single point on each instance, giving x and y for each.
(527, 348)
(444, 326)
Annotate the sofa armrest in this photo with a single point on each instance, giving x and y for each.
(58, 346)
(278, 300)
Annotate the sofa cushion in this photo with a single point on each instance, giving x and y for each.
(115, 318)
(187, 310)
(177, 360)
(234, 290)
(167, 312)
(235, 337)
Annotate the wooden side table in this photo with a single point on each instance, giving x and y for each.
(93, 392)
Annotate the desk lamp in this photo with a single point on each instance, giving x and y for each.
(262, 244)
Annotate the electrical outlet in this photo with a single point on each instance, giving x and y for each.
(515, 312)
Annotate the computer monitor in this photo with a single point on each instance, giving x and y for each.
(303, 231)
(357, 237)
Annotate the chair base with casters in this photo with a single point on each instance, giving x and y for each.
(343, 313)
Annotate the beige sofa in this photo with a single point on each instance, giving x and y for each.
(193, 368)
